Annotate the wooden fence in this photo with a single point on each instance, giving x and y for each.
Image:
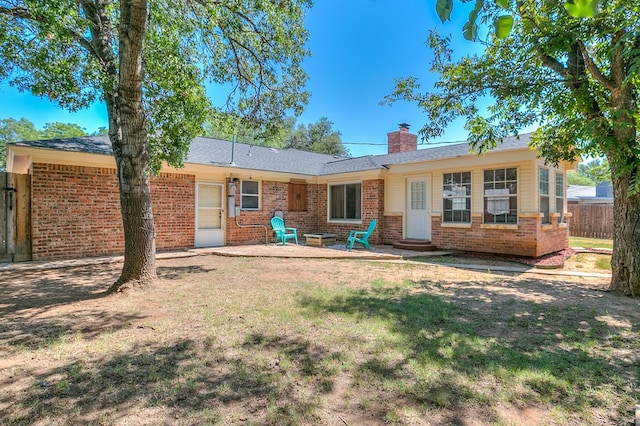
(591, 220)
(15, 217)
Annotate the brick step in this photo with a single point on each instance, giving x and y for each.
(414, 245)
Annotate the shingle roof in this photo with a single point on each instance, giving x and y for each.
(217, 152)
(89, 144)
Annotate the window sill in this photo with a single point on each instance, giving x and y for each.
(504, 226)
(455, 225)
(345, 221)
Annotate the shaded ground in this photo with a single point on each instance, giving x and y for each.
(309, 341)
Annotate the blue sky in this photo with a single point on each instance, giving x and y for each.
(358, 48)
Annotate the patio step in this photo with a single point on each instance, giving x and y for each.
(414, 244)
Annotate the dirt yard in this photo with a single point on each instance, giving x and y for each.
(200, 347)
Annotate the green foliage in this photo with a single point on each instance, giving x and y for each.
(315, 137)
(67, 51)
(229, 126)
(12, 130)
(502, 25)
(575, 178)
(555, 72)
(443, 9)
(581, 8)
(61, 130)
(597, 170)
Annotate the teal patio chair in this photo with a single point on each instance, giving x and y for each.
(282, 233)
(361, 237)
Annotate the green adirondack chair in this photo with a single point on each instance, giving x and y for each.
(282, 233)
(361, 237)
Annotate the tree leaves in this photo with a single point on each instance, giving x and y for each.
(503, 25)
(470, 29)
(443, 9)
(581, 8)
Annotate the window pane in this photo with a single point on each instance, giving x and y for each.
(250, 187)
(500, 196)
(456, 194)
(418, 195)
(353, 201)
(337, 202)
(345, 201)
(249, 202)
(559, 185)
(544, 208)
(544, 182)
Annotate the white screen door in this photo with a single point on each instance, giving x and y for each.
(418, 209)
(209, 204)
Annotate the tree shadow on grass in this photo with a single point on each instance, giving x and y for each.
(552, 348)
(29, 302)
(187, 380)
(43, 289)
(177, 272)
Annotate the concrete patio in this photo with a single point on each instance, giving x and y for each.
(337, 251)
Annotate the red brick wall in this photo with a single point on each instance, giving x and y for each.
(274, 196)
(173, 197)
(392, 229)
(401, 141)
(254, 227)
(76, 211)
(529, 239)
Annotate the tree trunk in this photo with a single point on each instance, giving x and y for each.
(625, 262)
(131, 151)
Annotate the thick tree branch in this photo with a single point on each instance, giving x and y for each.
(553, 64)
(593, 68)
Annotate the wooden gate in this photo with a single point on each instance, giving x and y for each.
(15, 217)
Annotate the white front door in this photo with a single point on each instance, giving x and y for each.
(418, 209)
(209, 202)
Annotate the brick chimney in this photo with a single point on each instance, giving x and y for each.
(401, 140)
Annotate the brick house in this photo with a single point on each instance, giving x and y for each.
(505, 201)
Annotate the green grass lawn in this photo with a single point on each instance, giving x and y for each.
(590, 242)
(303, 342)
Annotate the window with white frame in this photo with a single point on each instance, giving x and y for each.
(456, 197)
(560, 195)
(501, 196)
(345, 201)
(544, 193)
(250, 195)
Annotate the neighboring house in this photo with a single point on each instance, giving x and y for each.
(505, 201)
(582, 194)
